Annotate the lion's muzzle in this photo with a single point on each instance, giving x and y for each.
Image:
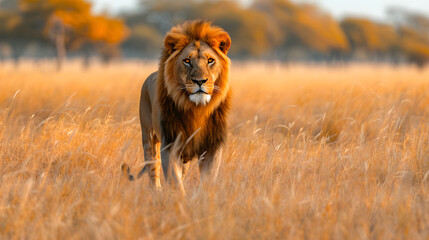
(199, 82)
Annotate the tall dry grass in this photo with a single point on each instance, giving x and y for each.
(313, 152)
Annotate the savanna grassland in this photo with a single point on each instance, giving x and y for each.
(313, 152)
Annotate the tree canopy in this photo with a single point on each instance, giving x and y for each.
(69, 24)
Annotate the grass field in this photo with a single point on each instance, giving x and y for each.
(313, 152)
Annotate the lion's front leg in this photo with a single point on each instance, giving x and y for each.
(172, 166)
(209, 165)
(151, 147)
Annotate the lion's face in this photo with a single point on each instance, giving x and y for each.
(198, 69)
(195, 65)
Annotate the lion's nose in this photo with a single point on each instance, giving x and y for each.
(199, 82)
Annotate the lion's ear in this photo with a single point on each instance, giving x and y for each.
(224, 42)
(174, 41)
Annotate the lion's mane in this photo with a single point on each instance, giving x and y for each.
(178, 113)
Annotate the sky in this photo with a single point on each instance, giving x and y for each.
(375, 9)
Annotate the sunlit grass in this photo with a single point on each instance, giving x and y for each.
(313, 152)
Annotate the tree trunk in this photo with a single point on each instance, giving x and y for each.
(58, 36)
(87, 56)
(61, 50)
(17, 50)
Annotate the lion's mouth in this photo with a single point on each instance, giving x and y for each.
(199, 92)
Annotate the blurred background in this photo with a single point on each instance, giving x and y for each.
(333, 31)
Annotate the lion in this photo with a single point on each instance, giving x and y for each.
(184, 105)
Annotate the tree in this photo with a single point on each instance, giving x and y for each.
(70, 25)
(303, 27)
(415, 46)
(372, 38)
(318, 31)
(13, 33)
(105, 34)
(413, 31)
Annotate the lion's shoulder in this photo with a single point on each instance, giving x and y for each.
(149, 85)
(151, 79)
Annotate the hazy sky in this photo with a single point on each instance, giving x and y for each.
(371, 8)
(375, 9)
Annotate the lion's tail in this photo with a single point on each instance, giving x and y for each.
(126, 172)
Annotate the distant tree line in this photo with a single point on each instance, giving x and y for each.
(283, 30)
(59, 25)
(267, 29)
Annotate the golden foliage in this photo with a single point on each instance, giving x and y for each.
(309, 22)
(107, 30)
(304, 26)
(362, 33)
(77, 17)
(415, 45)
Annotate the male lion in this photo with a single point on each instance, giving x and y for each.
(186, 103)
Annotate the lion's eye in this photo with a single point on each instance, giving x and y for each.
(187, 61)
(211, 60)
